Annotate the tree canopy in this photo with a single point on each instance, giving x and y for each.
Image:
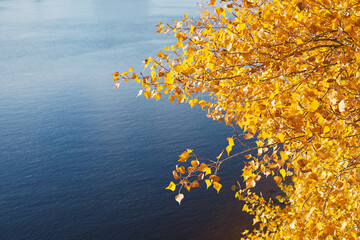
(287, 73)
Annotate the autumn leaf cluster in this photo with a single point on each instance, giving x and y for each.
(287, 72)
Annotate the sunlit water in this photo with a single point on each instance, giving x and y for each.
(82, 160)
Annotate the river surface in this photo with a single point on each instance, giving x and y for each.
(82, 160)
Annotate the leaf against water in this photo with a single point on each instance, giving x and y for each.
(179, 198)
(172, 186)
(217, 186)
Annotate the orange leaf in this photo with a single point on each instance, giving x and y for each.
(203, 167)
(248, 136)
(195, 163)
(147, 94)
(201, 176)
(195, 184)
(217, 186)
(180, 169)
(184, 156)
(214, 178)
(176, 176)
(248, 156)
(277, 179)
(158, 96)
(302, 162)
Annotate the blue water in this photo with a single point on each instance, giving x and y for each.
(82, 160)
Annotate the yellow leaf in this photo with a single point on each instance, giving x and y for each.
(313, 106)
(218, 157)
(217, 186)
(189, 150)
(159, 88)
(179, 198)
(153, 74)
(171, 186)
(131, 69)
(299, 41)
(208, 183)
(137, 79)
(242, 26)
(245, 208)
(208, 171)
(212, 2)
(281, 137)
(231, 144)
(326, 129)
(236, 194)
(283, 173)
(284, 156)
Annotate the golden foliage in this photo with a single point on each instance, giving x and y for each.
(287, 73)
